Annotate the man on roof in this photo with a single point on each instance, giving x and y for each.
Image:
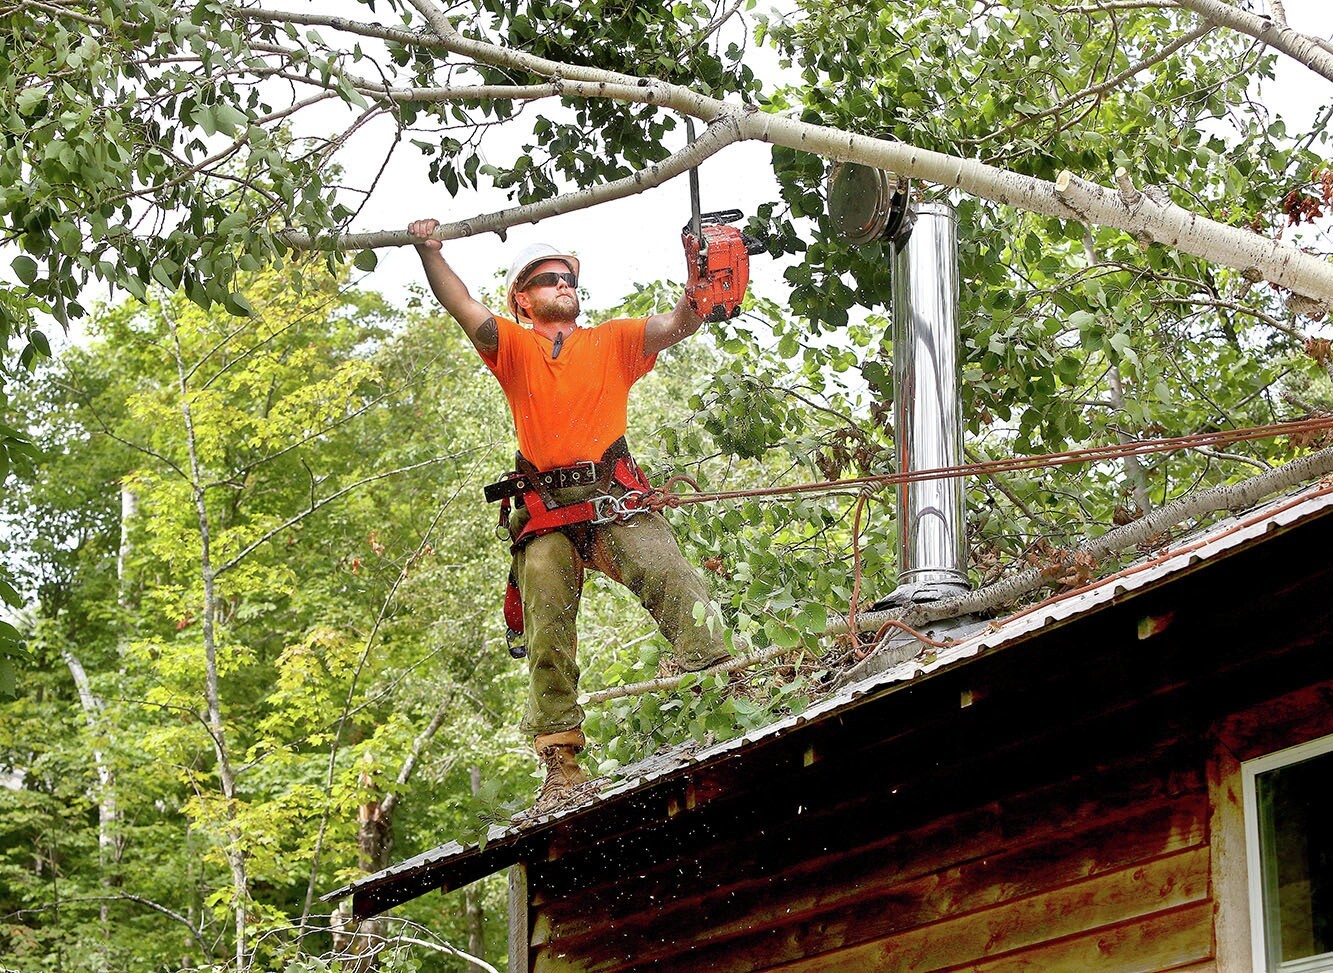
(568, 388)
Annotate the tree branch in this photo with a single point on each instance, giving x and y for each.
(296, 519)
(1300, 47)
(127, 897)
(348, 708)
(714, 138)
(1107, 85)
(1268, 319)
(1067, 198)
(1113, 5)
(419, 744)
(444, 947)
(1234, 496)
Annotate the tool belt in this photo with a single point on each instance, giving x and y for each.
(535, 489)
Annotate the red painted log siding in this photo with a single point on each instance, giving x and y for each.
(1106, 872)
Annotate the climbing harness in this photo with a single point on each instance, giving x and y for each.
(534, 487)
(545, 515)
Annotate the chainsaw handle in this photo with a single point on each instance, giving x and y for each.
(720, 216)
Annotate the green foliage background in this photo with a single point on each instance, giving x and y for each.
(335, 446)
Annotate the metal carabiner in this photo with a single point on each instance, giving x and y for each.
(631, 503)
(605, 509)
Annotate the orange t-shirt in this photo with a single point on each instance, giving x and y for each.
(570, 408)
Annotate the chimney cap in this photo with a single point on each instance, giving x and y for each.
(867, 204)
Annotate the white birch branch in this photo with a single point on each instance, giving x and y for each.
(448, 950)
(1068, 198)
(1300, 47)
(1232, 496)
(1111, 6)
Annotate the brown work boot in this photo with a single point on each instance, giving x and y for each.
(566, 785)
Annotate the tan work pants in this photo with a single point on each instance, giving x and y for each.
(642, 554)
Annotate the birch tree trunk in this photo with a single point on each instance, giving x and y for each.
(108, 811)
(129, 511)
(476, 930)
(234, 852)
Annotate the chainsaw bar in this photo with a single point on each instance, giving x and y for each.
(718, 255)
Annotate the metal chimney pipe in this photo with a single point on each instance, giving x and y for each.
(932, 549)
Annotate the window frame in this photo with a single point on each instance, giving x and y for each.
(1250, 770)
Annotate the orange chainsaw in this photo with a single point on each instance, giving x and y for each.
(717, 256)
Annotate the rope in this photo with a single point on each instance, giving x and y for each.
(856, 570)
(665, 497)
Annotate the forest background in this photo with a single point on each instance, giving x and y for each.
(254, 647)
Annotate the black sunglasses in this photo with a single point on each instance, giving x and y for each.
(550, 279)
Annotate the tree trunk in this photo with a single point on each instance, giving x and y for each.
(1138, 480)
(129, 510)
(235, 853)
(476, 930)
(108, 812)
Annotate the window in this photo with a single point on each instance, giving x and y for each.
(1289, 841)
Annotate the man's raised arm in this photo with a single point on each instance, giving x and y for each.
(474, 317)
(664, 330)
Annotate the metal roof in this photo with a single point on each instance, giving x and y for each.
(899, 664)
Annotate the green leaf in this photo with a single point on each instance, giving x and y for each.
(69, 238)
(29, 99)
(812, 618)
(25, 268)
(366, 260)
(136, 287)
(238, 305)
(227, 119)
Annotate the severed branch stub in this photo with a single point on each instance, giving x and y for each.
(1130, 196)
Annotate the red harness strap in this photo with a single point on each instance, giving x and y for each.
(544, 519)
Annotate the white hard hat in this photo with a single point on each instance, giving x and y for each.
(528, 256)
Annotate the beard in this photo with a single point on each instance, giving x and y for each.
(557, 308)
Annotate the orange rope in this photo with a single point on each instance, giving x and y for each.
(856, 572)
(666, 498)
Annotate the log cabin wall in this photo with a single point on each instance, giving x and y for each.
(1057, 806)
(1060, 877)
